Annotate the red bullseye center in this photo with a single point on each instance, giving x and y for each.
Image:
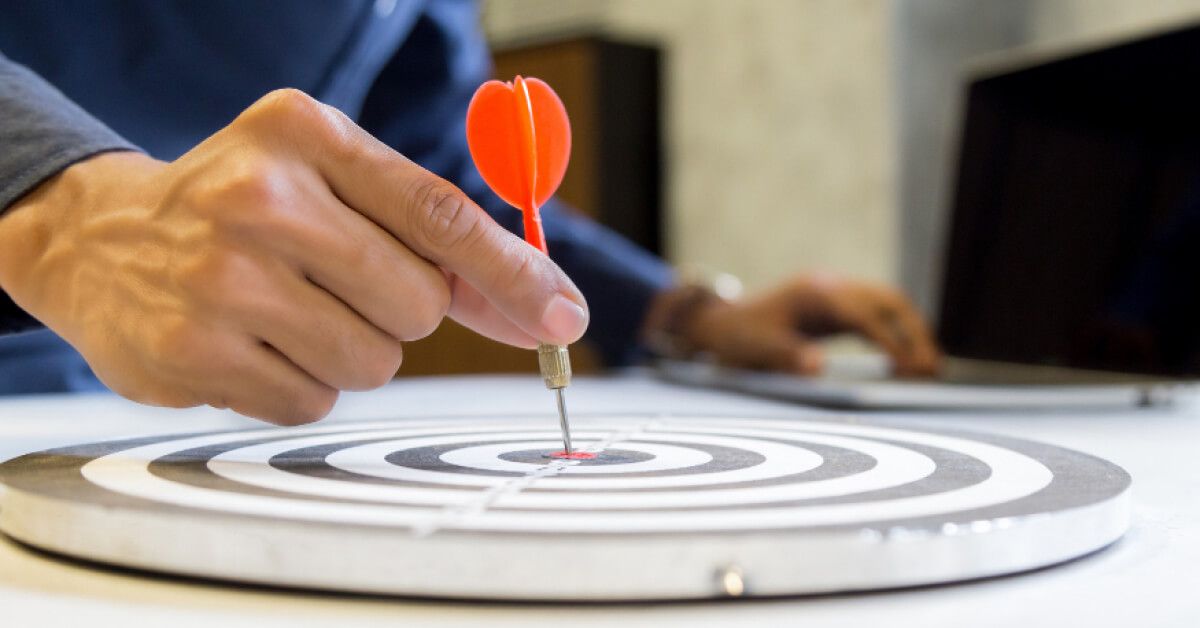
(573, 455)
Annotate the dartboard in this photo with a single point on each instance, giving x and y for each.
(670, 507)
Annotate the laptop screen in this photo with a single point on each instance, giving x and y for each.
(1075, 234)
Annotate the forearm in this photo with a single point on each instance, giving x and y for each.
(41, 133)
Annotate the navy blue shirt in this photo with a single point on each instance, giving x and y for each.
(164, 75)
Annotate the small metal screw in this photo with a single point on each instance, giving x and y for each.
(731, 581)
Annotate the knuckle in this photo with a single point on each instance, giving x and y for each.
(251, 196)
(284, 105)
(445, 219)
(424, 318)
(421, 325)
(256, 185)
(525, 270)
(289, 112)
(891, 298)
(159, 394)
(262, 218)
(309, 405)
(381, 367)
(801, 284)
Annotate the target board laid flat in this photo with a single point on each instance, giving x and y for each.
(673, 507)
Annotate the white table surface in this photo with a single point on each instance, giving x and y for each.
(1150, 578)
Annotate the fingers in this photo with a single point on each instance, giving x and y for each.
(198, 363)
(430, 216)
(891, 322)
(925, 358)
(790, 354)
(319, 334)
(472, 310)
(820, 305)
(771, 348)
(261, 383)
(366, 268)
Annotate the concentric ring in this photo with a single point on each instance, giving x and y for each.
(777, 492)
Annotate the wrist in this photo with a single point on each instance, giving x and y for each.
(41, 221)
(677, 319)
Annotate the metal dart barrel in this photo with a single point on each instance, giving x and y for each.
(555, 365)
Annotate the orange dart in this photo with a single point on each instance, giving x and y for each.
(520, 138)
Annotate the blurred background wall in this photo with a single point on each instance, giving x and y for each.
(816, 134)
(777, 141)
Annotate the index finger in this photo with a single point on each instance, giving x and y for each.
(893, 324)
(926, 357)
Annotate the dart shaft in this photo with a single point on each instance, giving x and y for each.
(555, 364)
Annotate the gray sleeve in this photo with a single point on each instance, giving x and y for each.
(41, 133)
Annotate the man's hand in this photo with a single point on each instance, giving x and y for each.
(775, 330)
(283, 259)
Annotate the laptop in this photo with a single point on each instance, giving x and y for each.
(1071, 272)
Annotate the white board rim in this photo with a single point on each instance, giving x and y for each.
(99, 533)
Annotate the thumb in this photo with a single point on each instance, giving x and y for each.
(440, 223)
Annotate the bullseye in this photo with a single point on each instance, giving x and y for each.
(572, 455)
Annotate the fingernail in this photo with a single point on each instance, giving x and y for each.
(564, 320)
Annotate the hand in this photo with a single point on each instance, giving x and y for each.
(283, 259)
(775, 330)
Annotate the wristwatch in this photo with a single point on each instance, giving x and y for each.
(668, 324)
